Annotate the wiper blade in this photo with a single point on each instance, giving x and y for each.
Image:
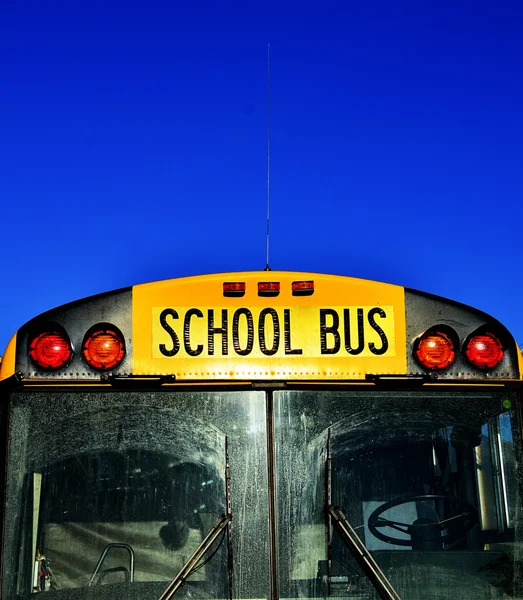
(361, 555)
(192, 561)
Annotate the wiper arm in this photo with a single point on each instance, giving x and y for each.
(361, 555)
(192, 561)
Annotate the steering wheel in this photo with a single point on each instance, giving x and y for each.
(424, 530)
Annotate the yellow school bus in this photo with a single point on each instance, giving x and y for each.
(261, 435)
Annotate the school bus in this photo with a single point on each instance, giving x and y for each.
(261, 435)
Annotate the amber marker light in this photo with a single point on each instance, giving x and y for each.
(51, 350)
(302, 288)
(234, 289)
(484, 350)
(103, 347)
(435, 350)
(268, 288)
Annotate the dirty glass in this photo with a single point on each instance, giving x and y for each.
(108, 494)
(429, 482)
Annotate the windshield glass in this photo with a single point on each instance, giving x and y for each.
(109, 495)
(427, 481)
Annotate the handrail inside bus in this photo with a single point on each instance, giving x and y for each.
(103, 556)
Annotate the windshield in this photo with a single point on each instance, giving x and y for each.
(110, 493)
(427, 481)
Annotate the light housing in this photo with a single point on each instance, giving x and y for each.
(268, 288)
(484, 350)
(50, 348)
(103, 347)
(436, 348)
(234, 289)
(303, 288)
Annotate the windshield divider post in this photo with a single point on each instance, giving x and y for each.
(271, 484)
(362, 556)
(328, 499)
(229, 513)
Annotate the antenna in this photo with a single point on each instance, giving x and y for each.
(267, 268)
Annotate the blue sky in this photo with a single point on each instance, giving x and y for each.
(133, 146)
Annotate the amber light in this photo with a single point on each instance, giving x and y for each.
(435, 350)
(268, 288)
(103, 347)
(302, 288)
(51, 350)
(484, 350)
(234, 288)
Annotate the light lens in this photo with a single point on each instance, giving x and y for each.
(435, 350)
(269, 287)
(103, 348)
(484, 350)
(302, 287)
(234, 286)
(51, 350)
(234, 289)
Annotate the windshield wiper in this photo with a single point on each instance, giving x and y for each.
(361, 555)
(192, 562)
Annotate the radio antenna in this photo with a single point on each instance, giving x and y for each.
(267, 268)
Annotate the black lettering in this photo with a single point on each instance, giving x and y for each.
(333, 330)
(220, 330)
(261, 331)
(384, 341)
(187, 332)
(287, 333)
(169, 312)
(236, 331)
(361, 336)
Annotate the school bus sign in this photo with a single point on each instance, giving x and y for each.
(347, 328)
(259, 332)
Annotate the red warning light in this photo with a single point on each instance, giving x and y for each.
(484, 350)
(435, 350)
(51, 350)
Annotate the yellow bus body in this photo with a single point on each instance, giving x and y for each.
(348, 329)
